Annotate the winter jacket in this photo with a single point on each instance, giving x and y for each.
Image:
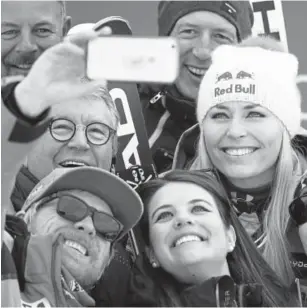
(167, 115)
(215, 292)
(111, 290)
(184, 157)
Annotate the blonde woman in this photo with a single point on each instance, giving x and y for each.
(249, 132)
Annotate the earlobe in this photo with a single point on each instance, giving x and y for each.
(66, 25)
(151, 257)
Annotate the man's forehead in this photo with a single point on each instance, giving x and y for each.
(205, 18)
(84, 111)
(30, 11)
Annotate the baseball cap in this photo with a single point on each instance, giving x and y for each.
(123, 201)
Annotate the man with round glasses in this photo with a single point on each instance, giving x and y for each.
(75, 216)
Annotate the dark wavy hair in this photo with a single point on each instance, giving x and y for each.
(246, 264)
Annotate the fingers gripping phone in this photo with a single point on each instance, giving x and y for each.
(133, 59)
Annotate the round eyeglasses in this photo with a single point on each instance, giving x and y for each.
(96, 133)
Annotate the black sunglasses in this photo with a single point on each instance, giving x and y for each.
(74, 209)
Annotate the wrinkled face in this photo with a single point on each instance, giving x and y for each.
(243, 141)
(198, 34)
(185, 227)
(28, 28)
(49, 153)
(85, 254)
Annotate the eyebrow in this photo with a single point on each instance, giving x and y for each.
(44, 23)
(160, 208)
(8, 24)
(200, 200)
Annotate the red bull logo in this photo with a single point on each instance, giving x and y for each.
(235, 88)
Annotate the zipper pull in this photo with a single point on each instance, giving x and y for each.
(156, 97)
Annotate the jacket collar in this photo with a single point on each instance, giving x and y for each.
(25, 181)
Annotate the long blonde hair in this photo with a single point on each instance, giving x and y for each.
(274, 242)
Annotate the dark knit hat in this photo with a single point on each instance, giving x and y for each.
(238, 13)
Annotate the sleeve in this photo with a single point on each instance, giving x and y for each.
(25, 129)
(9, 100)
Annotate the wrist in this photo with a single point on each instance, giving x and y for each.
(30, 103)
(298, 210)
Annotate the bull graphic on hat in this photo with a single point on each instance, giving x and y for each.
(224, 76)
(244, 75)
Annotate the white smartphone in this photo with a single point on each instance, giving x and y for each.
(133, 59)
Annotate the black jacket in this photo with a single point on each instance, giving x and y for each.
(167, 115)
(215, 292)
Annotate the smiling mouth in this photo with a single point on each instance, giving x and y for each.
(188, 238)
(239, 151)
(72, 164)
(197, 72)
(76, 246)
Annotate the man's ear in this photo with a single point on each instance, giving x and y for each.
(151, 257)
(114, 146)
(231, 239)
(66, 25)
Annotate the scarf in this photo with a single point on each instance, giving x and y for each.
(250, 206)
(24, 183)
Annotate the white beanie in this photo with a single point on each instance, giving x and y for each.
(255, 75)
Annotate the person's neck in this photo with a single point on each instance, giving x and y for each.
(256, 182)
(200, 272)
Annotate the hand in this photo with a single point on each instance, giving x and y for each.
(56, 75)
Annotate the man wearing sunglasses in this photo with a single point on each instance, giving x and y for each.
(74, 215)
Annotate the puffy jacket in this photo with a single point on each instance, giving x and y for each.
(184, 157)
(167, 115)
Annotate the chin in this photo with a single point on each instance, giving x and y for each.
(240, 172)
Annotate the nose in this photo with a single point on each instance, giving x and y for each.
(27, 42)
(86, 225)
(182, 221)
(203, 46)
(236, 129)
(79, 140)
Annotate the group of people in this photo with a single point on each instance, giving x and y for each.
(225, 222)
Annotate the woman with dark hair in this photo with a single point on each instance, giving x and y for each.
(197, 253)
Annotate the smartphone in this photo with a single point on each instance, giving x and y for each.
(133, 59)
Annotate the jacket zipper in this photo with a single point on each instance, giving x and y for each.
(157, 97)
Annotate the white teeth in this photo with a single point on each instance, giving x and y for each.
(76, 246)
(70, 163)
(240, 152)
(187, 238)
(197, 71)
(24, 66)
